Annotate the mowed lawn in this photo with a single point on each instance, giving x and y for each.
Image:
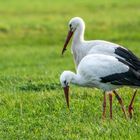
(32, 105)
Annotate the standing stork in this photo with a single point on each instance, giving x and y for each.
(101, 71)
(81, 48)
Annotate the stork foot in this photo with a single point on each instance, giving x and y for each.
(130, 108)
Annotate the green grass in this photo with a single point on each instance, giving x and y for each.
(32, 104)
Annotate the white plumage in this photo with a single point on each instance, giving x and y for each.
(100, 65)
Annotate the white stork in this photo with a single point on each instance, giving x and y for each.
(101, 71)
(81, 48)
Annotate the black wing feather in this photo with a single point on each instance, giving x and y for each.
(128, 56)
(129, 78)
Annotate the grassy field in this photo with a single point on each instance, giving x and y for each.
(32, 34)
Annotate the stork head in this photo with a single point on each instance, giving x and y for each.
(65, 79)
(74, 24)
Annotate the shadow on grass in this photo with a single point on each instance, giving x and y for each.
(39, 87)
(3, 29)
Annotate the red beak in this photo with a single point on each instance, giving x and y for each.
(70, 33)
(66, 91)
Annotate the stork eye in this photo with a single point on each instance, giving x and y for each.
(70, 25)
(65, 82)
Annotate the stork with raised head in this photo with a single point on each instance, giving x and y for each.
(101, 71)
(81, 47)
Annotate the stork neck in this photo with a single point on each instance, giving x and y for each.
(76, 79)
(79, 34)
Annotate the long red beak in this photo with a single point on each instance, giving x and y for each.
(66, 91)
(70, 33)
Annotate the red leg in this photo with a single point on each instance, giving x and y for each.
(121, 102)
(104, 106)
(130, 108)
(110, 99)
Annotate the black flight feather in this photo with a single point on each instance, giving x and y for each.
(131, 77)
(128, 56)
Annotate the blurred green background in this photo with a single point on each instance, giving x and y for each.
(32, 34)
